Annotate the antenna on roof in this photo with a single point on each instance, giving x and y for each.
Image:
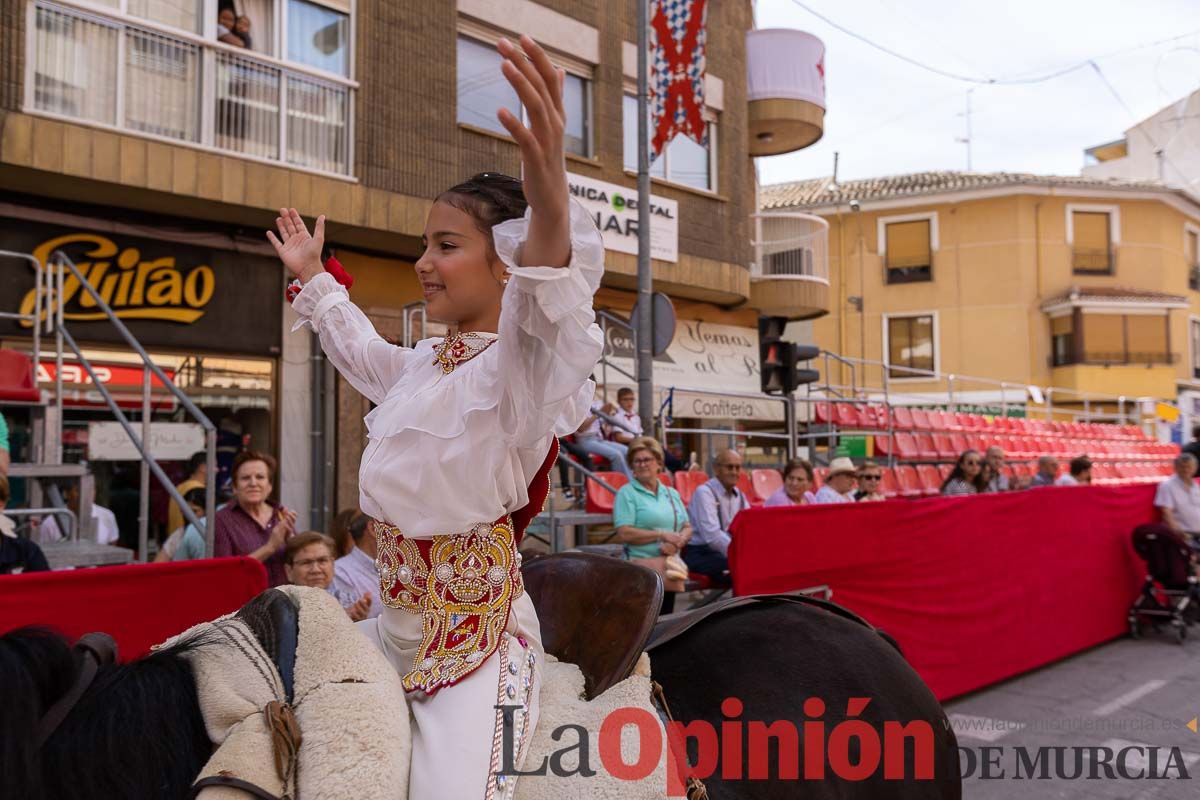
(835, 165)
(967, 139)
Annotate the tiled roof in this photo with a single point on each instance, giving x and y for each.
(823, 191)
(1079, 295)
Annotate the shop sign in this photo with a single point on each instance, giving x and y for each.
(167, 294)
(169, 441)
(122, 381)
(615, 210)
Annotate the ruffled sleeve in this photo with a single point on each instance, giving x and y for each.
(549, 340)
(364, 358)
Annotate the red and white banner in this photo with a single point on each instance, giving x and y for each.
(678, 62)
(123, 382)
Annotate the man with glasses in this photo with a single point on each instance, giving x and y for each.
(308, 561)
(870, 480)
(713, 507)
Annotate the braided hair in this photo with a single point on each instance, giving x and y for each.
(489, 197)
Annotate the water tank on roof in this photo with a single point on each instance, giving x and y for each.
(786, 90)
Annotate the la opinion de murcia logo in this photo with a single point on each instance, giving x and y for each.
(135, 289)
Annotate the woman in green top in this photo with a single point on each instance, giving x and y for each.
(650, 517)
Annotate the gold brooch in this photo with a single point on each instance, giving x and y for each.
(459, 348)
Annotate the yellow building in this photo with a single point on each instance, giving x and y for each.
(1084, 284)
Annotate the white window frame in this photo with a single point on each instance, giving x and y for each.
(711, 119)
(887, 350)
(580, 69)
(208, 46)
(1114, 221)
(881, 230)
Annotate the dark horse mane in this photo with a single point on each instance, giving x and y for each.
(141, 713)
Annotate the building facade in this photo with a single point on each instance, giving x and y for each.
(161, 138)
(1084, 284)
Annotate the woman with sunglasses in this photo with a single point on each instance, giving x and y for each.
(967, 476)
(462, 439)
(870, 478)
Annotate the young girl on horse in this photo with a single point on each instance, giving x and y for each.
(464, 434)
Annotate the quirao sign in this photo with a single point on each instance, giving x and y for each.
(615, 210)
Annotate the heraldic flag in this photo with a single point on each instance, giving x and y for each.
(678, 36)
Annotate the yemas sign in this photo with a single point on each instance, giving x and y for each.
(615, 210)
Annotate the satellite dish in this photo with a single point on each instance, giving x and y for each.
(662, 321)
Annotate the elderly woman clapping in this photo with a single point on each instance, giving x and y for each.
(252, 524)
(650, 518)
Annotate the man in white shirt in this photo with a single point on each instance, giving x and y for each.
(627, 415)
(1178, 498)
(1080, 473)
(354, 574)
(590, 440)
(839, 484)
(104, 522)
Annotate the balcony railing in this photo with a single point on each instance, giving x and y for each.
(1092, 261)
(1116, 359)
(791, 245)
(138, 78)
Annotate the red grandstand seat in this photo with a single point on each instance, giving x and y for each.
(944, 447)
(688, 481)
(906, 446)
(907, 480)
(599, 499)
(821, 413)
(882, 419)
(666, 480)
(975, 422)
(820, 474)
(921, 421)
(902, 419)
(978, 442)
(1010, 472)
(883, 445)
(17, 384)
(944, 470)
(926, 449)
(846, 415)
(747, 486)
(940, 420)
(1023, 471)
(889, 486)
(1015, 447)
(930, 478)
(869, 416)
(959, 442)
(1105, 474)
(765, 481)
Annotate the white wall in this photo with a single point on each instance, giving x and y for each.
(295, 425)
(1176, 131)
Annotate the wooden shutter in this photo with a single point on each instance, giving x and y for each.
(1146, 338)
(908, 244)
(1104, 337)
(1090, 248)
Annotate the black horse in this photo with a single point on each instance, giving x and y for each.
(137, 731)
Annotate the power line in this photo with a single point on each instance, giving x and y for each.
(986, 81)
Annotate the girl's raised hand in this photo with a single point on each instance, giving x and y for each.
(539, 85)
(299, 252)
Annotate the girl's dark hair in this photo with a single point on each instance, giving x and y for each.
(958, 473)
(489, 197)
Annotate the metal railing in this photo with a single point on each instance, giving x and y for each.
(138, 75)
(60, 264)
(54, 511)
(791, 244)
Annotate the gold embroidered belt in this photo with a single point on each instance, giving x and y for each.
(463, 585)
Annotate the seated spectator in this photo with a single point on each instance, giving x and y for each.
(627, 415)
(591, 441)
(650, 518)
(104, 521)
(839, 485)
(967, 475)
(1047, 472)
(226, 22)
(186, 542)
(797, 484)
(870, 478)
(196, 479)
(252, 524)
(355, 577)
(16, 554)
(241, 29)
(4, 447)
(997, 480)
(308, 561)
(1178, 499)
(713, 507)
(1193, 446)
(1080, 473)
(339, 531)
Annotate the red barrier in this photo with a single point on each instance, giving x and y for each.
(140, 605)
(975, 589)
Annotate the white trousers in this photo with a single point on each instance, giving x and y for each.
(458, 733)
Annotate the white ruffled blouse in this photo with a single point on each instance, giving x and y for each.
(447, 452)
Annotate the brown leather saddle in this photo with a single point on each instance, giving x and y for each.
(595, 612)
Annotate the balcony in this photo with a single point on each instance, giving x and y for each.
(139, 77)
(785, 89)
(790, 274)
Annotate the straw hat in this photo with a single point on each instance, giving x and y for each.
(841, 466)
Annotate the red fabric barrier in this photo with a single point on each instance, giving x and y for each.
(139, 605)
(975, 589)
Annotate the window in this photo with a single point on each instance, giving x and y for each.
(797, 261)
(1194, 332)
(908, 252)
(318, 36)
(1091, 242)
(1125, 339)
(184, 14)
(483, 90)
(683, 162)
(1191, 254)
(910, 345)
(1062, 340)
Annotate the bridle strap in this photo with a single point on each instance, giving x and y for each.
(230, 782)
(96, 650)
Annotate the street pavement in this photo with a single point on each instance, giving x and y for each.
(1125, 694)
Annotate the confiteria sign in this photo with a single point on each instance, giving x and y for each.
(615, 210)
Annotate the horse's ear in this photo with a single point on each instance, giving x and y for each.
(887, 637)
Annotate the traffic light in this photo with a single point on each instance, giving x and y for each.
(778, 359)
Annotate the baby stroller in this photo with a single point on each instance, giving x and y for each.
(1171, 592)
